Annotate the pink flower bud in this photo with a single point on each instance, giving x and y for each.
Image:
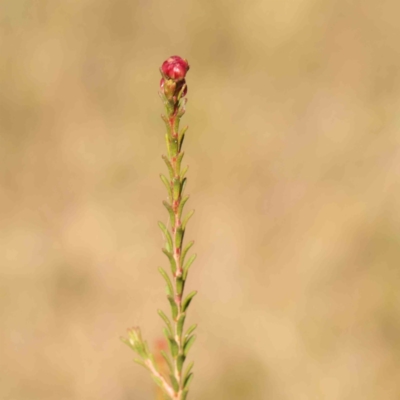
(175, 68)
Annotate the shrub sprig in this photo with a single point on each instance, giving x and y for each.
(173, 89)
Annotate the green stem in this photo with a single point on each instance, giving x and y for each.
(177, 246)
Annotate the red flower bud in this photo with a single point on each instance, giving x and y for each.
(175, 68)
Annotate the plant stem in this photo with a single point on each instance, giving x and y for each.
(173, 90)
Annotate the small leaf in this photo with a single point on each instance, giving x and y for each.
(174, 307)
(180, 284)
(167, 136)
(167, 360)
(179, 362)
(181, 321)
(169, 106)
(183, 173)
(188, 265)
(166, 320)
(176, 124)
(188, 344)
(176, 188)
(188, 299)
(157, 380)
(179, 161)
(185, 250)
(167, 124)
(182, 107)
(169, 166)
(174, 382)
(188, 380)
(167, 236)
(171, 260)
(186, 219)
(140, 362)
(151, 357)
(173, 146)
(139, 348)
(181, 205)
(183, 185)
(179, 237)
(170, 212)
(173, 346)
(167, 185)
(188, 369)
(167, 334)
(184, 394)
(182, 136)
(126, 341)
(181, 93)
(170, 289)
(190, 330)
(147, 350)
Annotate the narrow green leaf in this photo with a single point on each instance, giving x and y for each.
(176, 188)
(190, 330)
(181, 205)
(167, 360)
(173, 146)
(167, 140)
(187, 381)
(179, 362)
(174, 307)
(170, 212)
(182, 136)
(187, 372)
(179, 160)
(177, 121)
(139, 348)
(185, 250)
(183, 185)
(173, 346)
(128, 343)
(152, 359)
(188, 265)
(171, 260)
(180, 94)
(181, 321)
(188, 299)
(183, 173)
(186, 219)
(188, 344)
(184, 394)
(182, 107)
(140, 362)
(179, 237)
(157, 380)
(146, 349)
(180, 284)
(174, 382)
(167, 124)
(167, 185)
(170, 289)
(166, 320)
(167, 334)
(169, 107)
(167, 236)
(169, 166)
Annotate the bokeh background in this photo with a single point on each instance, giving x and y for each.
(294, 158)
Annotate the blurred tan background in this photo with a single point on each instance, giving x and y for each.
(294, 158)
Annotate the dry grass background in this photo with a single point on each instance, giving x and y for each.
(294, 161)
